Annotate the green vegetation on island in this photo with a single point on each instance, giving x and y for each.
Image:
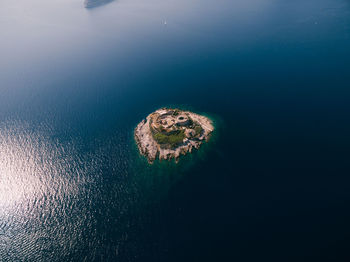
(172, 140)
(168, 133)
(198, 129)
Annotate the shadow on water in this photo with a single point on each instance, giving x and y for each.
(95, 3)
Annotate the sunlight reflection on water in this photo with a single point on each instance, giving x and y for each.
(38, 193)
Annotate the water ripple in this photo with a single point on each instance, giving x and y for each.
(41, 183)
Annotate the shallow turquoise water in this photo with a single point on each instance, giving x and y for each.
(273, 183)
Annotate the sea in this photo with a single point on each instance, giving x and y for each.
(272, 183)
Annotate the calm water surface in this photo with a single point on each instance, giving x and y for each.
(272, 185)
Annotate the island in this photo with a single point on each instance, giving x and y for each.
(168, 133)
(95, 3)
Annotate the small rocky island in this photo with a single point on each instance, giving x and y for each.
(168, 133)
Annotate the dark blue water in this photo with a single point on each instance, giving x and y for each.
(273, 183)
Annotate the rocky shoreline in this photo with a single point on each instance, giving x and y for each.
(190, 130)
